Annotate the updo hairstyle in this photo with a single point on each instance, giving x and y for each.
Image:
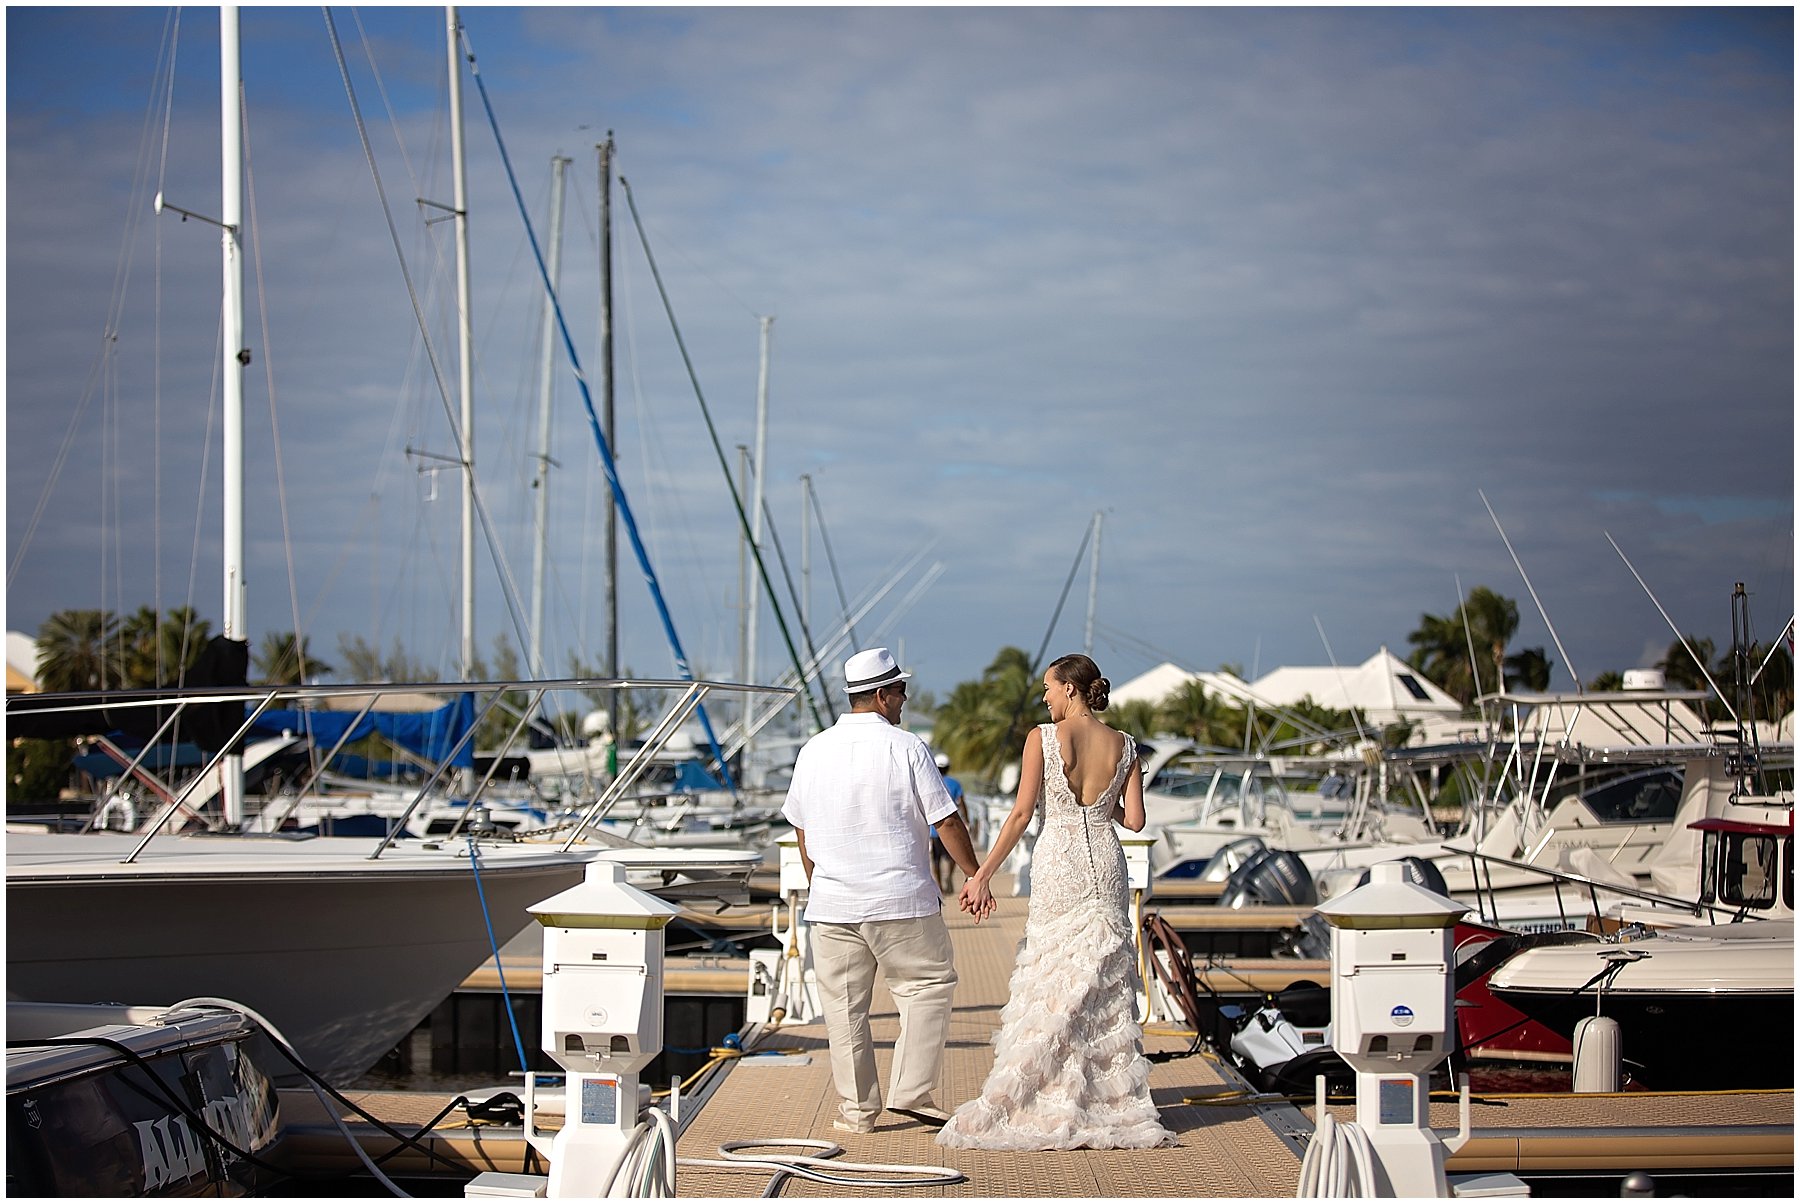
(1082, 673)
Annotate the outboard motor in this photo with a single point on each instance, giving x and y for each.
(1273, 876)
(1228, 859)
(1417, 871)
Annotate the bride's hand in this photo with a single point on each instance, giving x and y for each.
(977, 899)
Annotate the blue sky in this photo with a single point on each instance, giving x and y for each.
(1281, 292)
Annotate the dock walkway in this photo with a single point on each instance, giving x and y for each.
(1229, 1144)
(1226, 1149)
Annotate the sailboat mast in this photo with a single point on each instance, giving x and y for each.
(546, 387)
(760, 469)
(611, 666)
(1093, 588)
(805, 549)
(235, 355)
(466, 344)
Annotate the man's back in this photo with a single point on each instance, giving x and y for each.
(865, 794)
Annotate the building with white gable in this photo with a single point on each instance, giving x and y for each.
(21, 663)
(1384, 688)
(1158, 683)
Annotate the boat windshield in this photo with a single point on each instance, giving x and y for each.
(1648, 797)
(1744, 869)
(1183, 782)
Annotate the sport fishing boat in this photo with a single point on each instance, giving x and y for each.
(134, 1101)
(1668, 983)
(1671, 973)
(344, 943)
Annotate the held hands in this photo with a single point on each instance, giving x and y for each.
(977, 899)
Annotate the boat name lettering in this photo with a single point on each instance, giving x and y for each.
(172, 1153)
(169, 1151)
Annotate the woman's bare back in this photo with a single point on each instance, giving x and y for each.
(1090, 755)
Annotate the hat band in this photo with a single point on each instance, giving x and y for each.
(869, 683)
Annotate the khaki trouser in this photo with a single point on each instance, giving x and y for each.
(915, 961)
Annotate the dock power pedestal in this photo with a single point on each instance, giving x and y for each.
(603, 1018)
(1392, 1011)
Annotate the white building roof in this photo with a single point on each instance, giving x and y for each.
(21, 662)
(1384, 687)
(1158, 683)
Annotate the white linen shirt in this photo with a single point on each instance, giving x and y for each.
(866, 793)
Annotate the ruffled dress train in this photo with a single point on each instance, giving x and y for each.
(1069, 1070)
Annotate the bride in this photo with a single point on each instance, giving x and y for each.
(1069, 1070)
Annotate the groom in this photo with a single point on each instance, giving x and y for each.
(863, 799)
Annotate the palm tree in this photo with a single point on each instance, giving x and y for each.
(1137, 717)
(365, 663)
(78, 650)
(502, 719)
(1528, 668)
(1190, 712)
(285, 660)
(983, 724)
(631, 715)
(1609, 682)
(1441, 644)
(1774, 688)
(1680, 668)
(1278, 732)
(159, 650)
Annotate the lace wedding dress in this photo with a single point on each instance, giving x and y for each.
(1069, 1070)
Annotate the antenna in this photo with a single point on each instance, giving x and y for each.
(1774, 647)
(1723, 701)
(1561, 651)
(1469, 639)
(1332, 657)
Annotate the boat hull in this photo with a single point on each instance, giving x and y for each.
(85, 1119)
(343, 955)
(1674, 995)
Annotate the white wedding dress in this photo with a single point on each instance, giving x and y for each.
(1069, 1069)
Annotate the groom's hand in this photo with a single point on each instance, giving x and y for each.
(977, 900)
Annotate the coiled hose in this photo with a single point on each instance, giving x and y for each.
(1339, 1162)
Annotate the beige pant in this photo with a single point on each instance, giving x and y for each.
(915, 961)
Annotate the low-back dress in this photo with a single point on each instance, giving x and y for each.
(1069, 1070)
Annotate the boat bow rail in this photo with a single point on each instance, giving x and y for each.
(100, 712)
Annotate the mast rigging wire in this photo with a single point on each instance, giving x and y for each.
(509, 587)
(812, 653)
(1031, 677)
(830, 557)
(587, 401)
(737, 502)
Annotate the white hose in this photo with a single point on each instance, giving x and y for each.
(1339, 1162)
(231, 1005)
(646, 1168)
(867, 1174)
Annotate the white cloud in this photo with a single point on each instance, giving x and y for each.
(1278, 290)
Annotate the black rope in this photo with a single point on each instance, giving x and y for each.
(405, 1142)
(737, 502)
(1037, 661)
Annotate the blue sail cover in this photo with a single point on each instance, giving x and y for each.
(430, 734)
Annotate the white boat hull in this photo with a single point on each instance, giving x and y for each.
(1679, 997)
(345, 955)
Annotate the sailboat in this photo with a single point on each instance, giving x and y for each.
(343, 945)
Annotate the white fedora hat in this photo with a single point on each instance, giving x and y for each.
(870, 670)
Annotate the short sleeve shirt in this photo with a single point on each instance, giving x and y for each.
(866, 793)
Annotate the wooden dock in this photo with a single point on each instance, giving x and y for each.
(1232, 1143)
(1226, 1149)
